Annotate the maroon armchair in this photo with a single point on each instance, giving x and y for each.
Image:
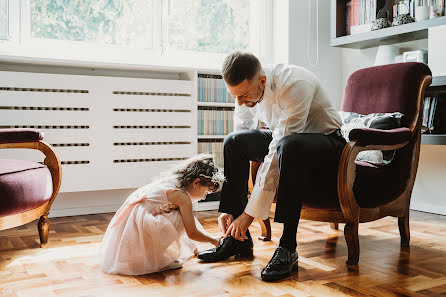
(27, 189)
(368, 192)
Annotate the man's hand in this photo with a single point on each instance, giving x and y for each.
(239, 226)
(224, 220)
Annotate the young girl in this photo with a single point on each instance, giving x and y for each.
(153, 229)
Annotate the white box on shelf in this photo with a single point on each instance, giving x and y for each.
(415, 56)
(360, 29)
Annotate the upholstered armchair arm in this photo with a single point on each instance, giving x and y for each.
(347, 165)
(369, 136)
(19, 135)
(32, 139)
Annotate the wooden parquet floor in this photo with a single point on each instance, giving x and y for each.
(68, 266)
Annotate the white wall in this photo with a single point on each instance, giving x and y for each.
(280, 39)
(291, 37)
(437, 50)
(355, 59)
(429, 192)
(328, 69)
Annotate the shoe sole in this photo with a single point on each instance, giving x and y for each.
(244, 254)
(281, 277)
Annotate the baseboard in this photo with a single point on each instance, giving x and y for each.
(67, 212)
(426, 207)
(202, 206)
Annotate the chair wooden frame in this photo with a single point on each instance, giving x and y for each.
(351, 213)
(53, 163)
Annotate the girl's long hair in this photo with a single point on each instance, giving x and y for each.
(200, 166)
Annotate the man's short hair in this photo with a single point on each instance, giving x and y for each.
(239, 66)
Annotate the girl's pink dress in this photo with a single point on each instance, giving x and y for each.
(146, 234)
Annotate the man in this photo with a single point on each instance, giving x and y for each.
(301, 148)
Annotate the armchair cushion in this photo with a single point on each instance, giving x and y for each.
(20, 135)
(352, 121)
(24, 185)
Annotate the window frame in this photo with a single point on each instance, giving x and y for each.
(20, 45)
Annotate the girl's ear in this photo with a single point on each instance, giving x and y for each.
(196, 182)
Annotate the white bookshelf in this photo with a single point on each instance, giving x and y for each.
(211, 136)
(215, 104)
(209, 103)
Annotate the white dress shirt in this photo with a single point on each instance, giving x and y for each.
(293, 102)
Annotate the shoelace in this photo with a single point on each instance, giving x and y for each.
(222, 242)
(275, 260)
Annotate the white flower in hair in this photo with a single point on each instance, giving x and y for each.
(218, 178)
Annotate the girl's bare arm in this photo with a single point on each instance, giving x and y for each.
(185, 206)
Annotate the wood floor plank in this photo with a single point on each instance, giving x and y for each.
(68, 265)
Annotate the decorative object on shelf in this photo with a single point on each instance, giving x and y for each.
(436, 8)
(402, 18)
(415, 56)
(381, 21)
(386, 54)
(421, 10)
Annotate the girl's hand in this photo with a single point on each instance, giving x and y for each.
(196, 252)
(216, 242)
(224, 221)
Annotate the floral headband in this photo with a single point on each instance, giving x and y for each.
(217, 178)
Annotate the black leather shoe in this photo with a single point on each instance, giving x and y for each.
(228, 247)
(280, 265)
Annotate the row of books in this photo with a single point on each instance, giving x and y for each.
(358, 13)
(214, 147)
(215, 120)
(429, 108)
(212, 88)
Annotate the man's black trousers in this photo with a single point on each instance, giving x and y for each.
(308, 166)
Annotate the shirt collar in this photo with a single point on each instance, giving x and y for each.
(268, 86)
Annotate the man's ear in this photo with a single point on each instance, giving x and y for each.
(262, 80)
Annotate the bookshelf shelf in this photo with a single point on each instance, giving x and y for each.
(403, 33)
(216, 104)
(437, 139)
(437, 89)
(211, 136)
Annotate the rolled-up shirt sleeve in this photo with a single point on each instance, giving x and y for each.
(243, 118)
(294, 104)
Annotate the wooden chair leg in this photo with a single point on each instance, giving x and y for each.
(403, 224)
(265, 225)
(352, 239)
(44, 228)
(334, 226)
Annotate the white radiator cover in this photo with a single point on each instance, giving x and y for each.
(109, 132)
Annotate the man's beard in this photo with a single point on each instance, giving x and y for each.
(254, 103)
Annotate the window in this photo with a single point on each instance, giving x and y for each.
(4, 19)
(131, 31)
(218, 26)
(119, 22)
